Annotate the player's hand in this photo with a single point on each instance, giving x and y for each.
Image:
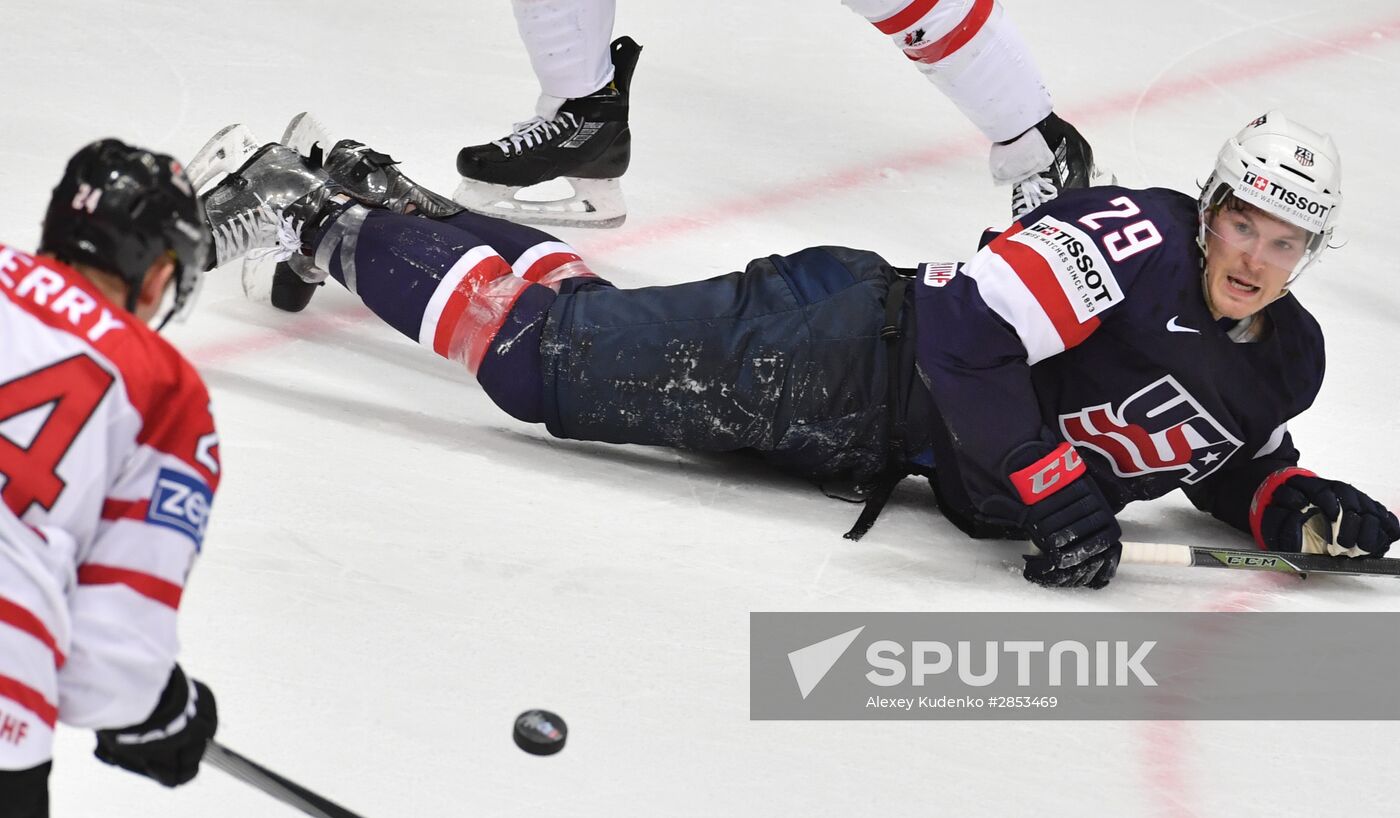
(169, 745)
(1315, 515)
(1069, 521)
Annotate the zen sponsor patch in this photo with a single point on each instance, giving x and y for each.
(1076, 263)
(181, 502)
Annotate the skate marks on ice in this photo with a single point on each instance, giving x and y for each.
(341, 338)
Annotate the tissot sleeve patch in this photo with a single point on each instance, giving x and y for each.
(1074, 263)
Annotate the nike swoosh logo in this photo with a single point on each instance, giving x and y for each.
(1173, 326)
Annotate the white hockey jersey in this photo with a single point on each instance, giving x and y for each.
(108, 466)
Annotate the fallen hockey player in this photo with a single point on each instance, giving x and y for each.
(1112, 345)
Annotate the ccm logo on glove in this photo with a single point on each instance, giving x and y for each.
(1048, 475)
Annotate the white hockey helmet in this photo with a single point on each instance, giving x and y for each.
(1287, 171)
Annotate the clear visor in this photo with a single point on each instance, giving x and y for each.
(1262, 242)
(178, 301)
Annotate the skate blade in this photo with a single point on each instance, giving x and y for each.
(224, 153)
(596, 203)
(305, 132)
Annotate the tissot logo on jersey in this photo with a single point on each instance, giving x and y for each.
(1077, 264)
(1159, 428)
(182, 503)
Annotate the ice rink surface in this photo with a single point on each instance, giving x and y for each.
(395, 569)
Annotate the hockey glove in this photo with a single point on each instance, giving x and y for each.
(1295, 510)
(169, 745)
(1069, 521)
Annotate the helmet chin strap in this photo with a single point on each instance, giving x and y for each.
(1205, 277)
(1205, 293)
(173, 291)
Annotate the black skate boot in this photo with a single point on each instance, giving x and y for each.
(587, 143)
(1041, 162)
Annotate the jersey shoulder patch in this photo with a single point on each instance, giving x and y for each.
(1067, 256)
(181, 503)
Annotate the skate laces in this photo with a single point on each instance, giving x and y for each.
(1030, 193)
(534, 132)
(247, 233)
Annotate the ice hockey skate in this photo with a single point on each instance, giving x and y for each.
(224, 153)
(260, 210)
(370, 176)
(1046, 159)
(587, 143)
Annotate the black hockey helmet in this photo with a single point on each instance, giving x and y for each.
(119, 208)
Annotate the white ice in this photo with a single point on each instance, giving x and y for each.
(395, 569)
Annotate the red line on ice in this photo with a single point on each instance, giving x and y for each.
(298, 328)
(870, 173)
(1165, 745)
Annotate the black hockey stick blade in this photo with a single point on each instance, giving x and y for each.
(1252, 560)
(288, 792)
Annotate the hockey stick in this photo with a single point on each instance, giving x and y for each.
(288, 792)
(1149, 553)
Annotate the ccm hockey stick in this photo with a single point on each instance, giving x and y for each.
(288, 792)
(1148, 553)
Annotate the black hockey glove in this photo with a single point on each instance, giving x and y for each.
(1069, 521)
(169, 745)
(1290, 505)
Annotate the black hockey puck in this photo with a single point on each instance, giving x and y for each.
(540, 732)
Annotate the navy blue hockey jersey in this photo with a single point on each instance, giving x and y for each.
(1086, 321)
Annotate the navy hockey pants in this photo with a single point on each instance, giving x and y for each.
(784, 359)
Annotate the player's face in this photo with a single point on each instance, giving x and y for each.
(1249, 259)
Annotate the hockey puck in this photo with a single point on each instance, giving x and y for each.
(540, 732)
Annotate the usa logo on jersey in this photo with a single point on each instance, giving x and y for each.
(1160, 428)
